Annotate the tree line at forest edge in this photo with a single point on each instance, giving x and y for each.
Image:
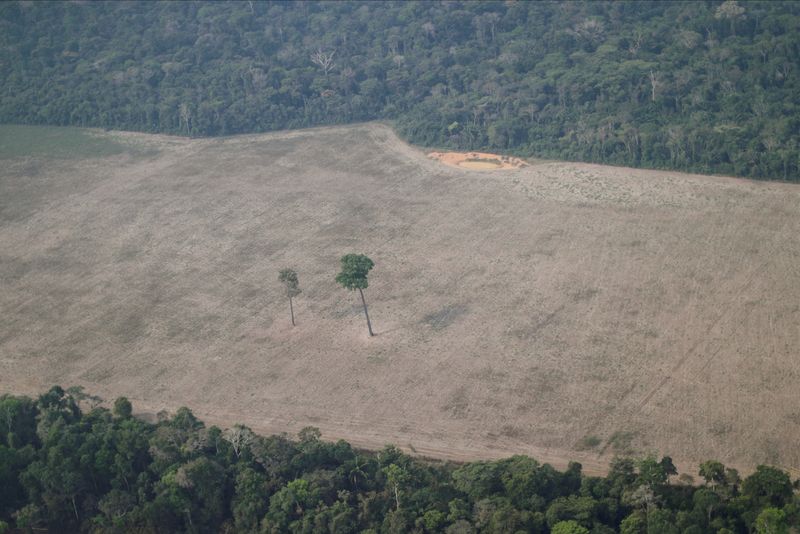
(703, 86)
(68, 470)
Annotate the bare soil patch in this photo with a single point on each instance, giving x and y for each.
(479, 161)
(562, 310)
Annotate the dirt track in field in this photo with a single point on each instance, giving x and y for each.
(540, 310)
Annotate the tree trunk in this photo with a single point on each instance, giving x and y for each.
(291, 309)
(189, 517)
(364, 302)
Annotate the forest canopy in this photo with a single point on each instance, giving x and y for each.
(710, 87)
(66, 470)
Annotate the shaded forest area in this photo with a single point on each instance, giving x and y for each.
(697, 86)
(105, 471)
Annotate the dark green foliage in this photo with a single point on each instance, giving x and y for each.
(17, 421)
(768, 486)
(98, 472)
(12, 463)
(355, 268)
(122, 408)
(684, 85)
(288, 277)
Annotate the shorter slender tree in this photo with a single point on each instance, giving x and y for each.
(355, 268)
(289, 279)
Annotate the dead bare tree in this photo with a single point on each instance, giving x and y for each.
(636, 43)
(185, 116)
(323, 59)
(731, 11)
(654, 83)
(240, 437)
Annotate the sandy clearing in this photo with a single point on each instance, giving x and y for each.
(481, 161)
(516, 312)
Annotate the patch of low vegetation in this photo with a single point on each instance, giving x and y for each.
(55, 143)
(441, 319)
(63, 469)
(489, 161)
(587, 443)
(457, 404)
(585, 294)
(621, 442)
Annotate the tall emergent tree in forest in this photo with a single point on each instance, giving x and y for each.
(289, 279)
(355, 268)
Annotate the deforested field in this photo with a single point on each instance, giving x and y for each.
(562, 310)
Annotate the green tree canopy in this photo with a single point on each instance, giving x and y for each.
(355, 268)
(97, 472)
(569, 527)
(699, 86)
(288, 277)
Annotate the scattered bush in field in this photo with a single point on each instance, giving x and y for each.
(588, 442)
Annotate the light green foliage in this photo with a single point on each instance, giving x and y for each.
(581, 510)
(569, 527)
(636, 523)
(355, 268)
(458, 509)
(29, 517)
(248, 505)
(396, 478)
(433, 520)
(309, 434)
(713, 472)
(290, 503)
(771, 521)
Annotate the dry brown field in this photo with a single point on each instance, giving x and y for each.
(561, 310)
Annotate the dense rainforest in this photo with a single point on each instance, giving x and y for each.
(711, 86)
(66, 470)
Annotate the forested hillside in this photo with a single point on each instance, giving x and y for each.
(105, 471)
(701, 86)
